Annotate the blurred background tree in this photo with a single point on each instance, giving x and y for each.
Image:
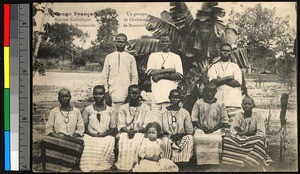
(269, 37)
(54, 43)
(104, 43)
(58, 41)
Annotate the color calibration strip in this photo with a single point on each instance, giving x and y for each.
(14, 87)
(7, 155)
(23, 89)
(17, 87)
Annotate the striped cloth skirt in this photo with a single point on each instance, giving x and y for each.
(128, 151)
(60, 155)
(250, 150)
(208, 147)
(98, 153)
(186, 142)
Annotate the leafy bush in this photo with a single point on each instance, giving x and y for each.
(79, 61)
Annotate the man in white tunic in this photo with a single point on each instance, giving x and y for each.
(165, 69)
(119, 72)
(228, 77)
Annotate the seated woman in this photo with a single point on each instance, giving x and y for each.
(132, 121)
(100, 129)
(209, 116)
(178, 130)
(246, 143)
(151, 153)
(62, 146)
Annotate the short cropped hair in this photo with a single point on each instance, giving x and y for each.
(122, 35)
(64, 90)
(99, 87)
(165, 35)
(248, 98)
(134, 86)
(174, 90)
(225, 44)
(211, 85)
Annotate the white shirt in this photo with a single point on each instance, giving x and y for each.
(119, 72)
(56, 122)
(107, 119)
(162, 88)
(231, 96)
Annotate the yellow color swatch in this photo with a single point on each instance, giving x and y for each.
(6, 67)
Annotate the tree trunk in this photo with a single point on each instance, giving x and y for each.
(269, 118)
(72, 58)
(39, 40)
(250, 68)
(284, 102)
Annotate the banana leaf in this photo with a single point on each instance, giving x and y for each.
(143, 46)
(182, 18)
(240, 57)
(195, 39)
(179, 40)
(230, 36)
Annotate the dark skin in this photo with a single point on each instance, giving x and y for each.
(98, 95)
(121, 42)
(227, 80)
(209, 94)
(248, 105)
(175, 99)
(64, 98)
(134, 95)
(167, 73)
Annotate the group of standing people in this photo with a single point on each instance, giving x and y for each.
(133, 136)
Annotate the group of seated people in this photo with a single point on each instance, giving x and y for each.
(130, 139)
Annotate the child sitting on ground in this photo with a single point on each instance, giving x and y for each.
(151, 151)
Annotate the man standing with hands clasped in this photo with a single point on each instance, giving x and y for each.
(119, 72)
(228, 77)
(165, 69)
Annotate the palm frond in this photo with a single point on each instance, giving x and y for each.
(180, 41)
(240, 57)
(230, 36)
(207, 6)
(182, 18)
(143, 46)
(200, 67)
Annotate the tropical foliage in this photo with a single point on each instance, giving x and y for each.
(104, 43)
(56, 41)
(197, 41)
(270, 38)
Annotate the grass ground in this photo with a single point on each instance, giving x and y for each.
(266, 95)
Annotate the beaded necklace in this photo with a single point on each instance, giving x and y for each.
(165, 59)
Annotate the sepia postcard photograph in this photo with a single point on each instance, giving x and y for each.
(164, 87)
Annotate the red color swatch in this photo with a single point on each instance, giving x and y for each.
(6, 25)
